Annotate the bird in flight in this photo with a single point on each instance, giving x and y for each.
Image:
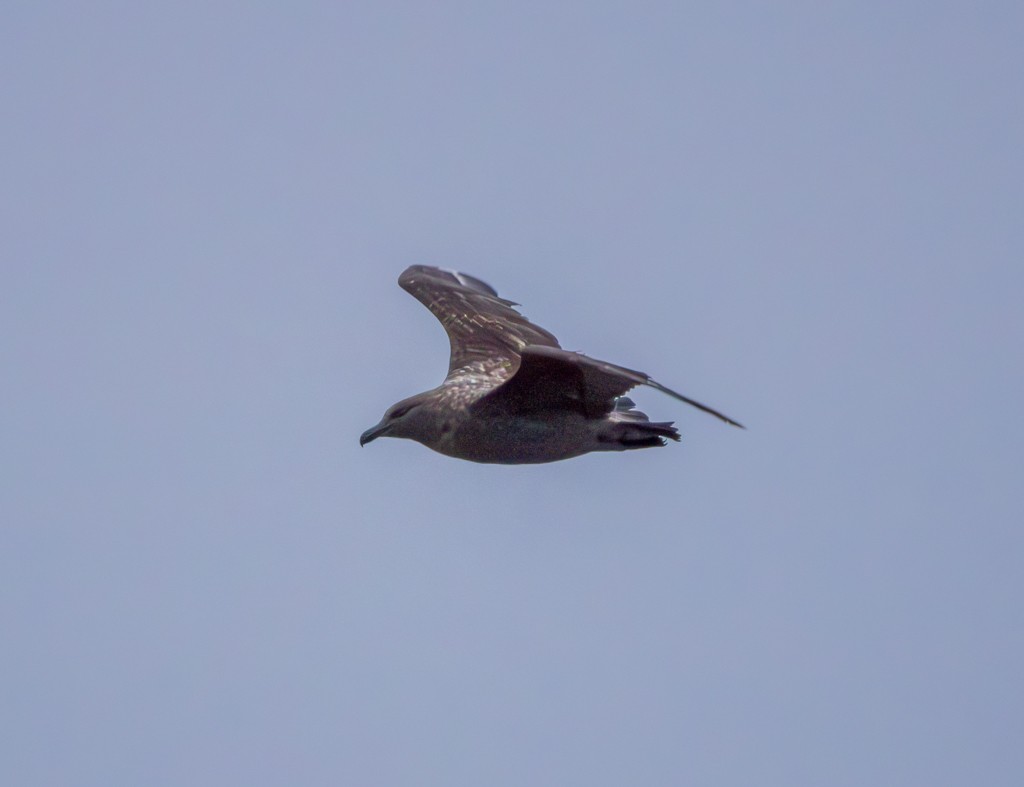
(512, 394)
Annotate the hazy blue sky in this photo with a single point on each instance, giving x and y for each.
(808, 215)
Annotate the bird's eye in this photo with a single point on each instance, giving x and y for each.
(399, 412)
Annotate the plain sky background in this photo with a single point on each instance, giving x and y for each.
(808, 215)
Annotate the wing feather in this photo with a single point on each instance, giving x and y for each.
(482, 327)
(550, 378)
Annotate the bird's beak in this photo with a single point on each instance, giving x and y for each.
(373, 433)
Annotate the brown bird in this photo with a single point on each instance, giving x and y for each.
(512, 395)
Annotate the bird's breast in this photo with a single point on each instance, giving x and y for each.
(518, 440)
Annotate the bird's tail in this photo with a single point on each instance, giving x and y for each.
(631, 428)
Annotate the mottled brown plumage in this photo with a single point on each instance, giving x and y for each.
(512, 394)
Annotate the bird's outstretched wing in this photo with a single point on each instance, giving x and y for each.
(550, 378)
(480, 325)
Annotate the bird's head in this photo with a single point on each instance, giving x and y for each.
(409, 419)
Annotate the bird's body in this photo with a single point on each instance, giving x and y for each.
(508, 438)
(512, 394)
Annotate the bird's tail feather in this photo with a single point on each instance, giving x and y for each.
(631, 429)
(645, 434)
